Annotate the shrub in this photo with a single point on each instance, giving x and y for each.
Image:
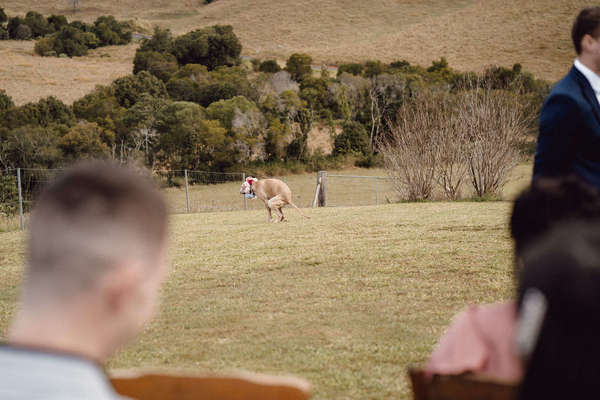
(3, 16)
(130, 88)
(6, 101)
(4, 33)
(82, 26)
(23, 32)
(352, 140)
(99, 106)
(45, 46)
(401, 64)
(374, 68)
(110, 31)
(269, 66)
(299, 66)
(9, 197)
(161, 42)
(56, 22)
(161, 65)
(353, 69)
(71, 41)
(84, 141)
(38, 24)
(13, 24)
(213, 47)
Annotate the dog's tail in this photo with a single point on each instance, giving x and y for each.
(299, 210)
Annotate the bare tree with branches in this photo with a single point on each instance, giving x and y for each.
(494, 123)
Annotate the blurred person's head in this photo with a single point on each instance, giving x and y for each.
(548, 202)
(96, 258)
(559, 314)
(586, 36)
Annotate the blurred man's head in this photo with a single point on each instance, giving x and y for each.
(586, 36)
(96, 257)
(548, 202)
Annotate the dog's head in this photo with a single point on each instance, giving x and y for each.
(247, 185)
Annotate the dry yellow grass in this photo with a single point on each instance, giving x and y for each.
(27, 77)
(347, 299)
(472, 34)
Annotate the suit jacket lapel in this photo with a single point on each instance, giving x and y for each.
(588, 92)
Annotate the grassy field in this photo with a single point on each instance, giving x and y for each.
(347, 299)
(471, 34)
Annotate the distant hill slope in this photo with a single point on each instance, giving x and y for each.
(470, 33)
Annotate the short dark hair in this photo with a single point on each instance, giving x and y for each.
(93, 217)
(548, 202)
(586, 23)
(565, 268)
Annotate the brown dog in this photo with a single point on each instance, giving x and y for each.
(273, 192)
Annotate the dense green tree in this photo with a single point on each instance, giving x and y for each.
(353, 69)
(374, 68)
(100, 106)
(56, 22)
(225, 110)
(82, 26)
(274, 140)
(13, 24)
(299, 66)
(269, 66)
(353, 140)
(161, 41)
(110, 31)
(140, 125)
(85, 141)
(3, 16)
(213, 46)
(130, 88)
(314, 91)
(6, 101)
(23, 32)
(45, 112)
(72, 41)
(161, 65)
(187, 140)
(38, 24)
(31, 146)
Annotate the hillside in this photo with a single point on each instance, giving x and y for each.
(471, 34)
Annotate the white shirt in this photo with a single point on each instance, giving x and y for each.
(35, 375)
(591, 76)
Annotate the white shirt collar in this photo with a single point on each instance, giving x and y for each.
(590, 75)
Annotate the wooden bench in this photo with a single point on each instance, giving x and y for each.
(241, 386)
(459, 387)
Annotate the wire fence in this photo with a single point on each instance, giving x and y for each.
(359, 190)
(198, 191)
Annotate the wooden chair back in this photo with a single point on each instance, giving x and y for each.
(459, 387)
(241, 386)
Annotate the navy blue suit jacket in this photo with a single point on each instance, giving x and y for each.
(569, 136)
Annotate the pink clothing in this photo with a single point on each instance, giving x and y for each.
(481, 340)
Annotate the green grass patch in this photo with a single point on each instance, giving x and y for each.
(347, 299)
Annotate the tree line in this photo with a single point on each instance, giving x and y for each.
(192, 103)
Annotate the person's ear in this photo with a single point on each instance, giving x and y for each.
(587, 42)
(121, 284)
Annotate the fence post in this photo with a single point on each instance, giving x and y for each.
(376, 191)
(187, 196)
(323, 192)
(317, 191)
(20, 198)
(244, 180)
